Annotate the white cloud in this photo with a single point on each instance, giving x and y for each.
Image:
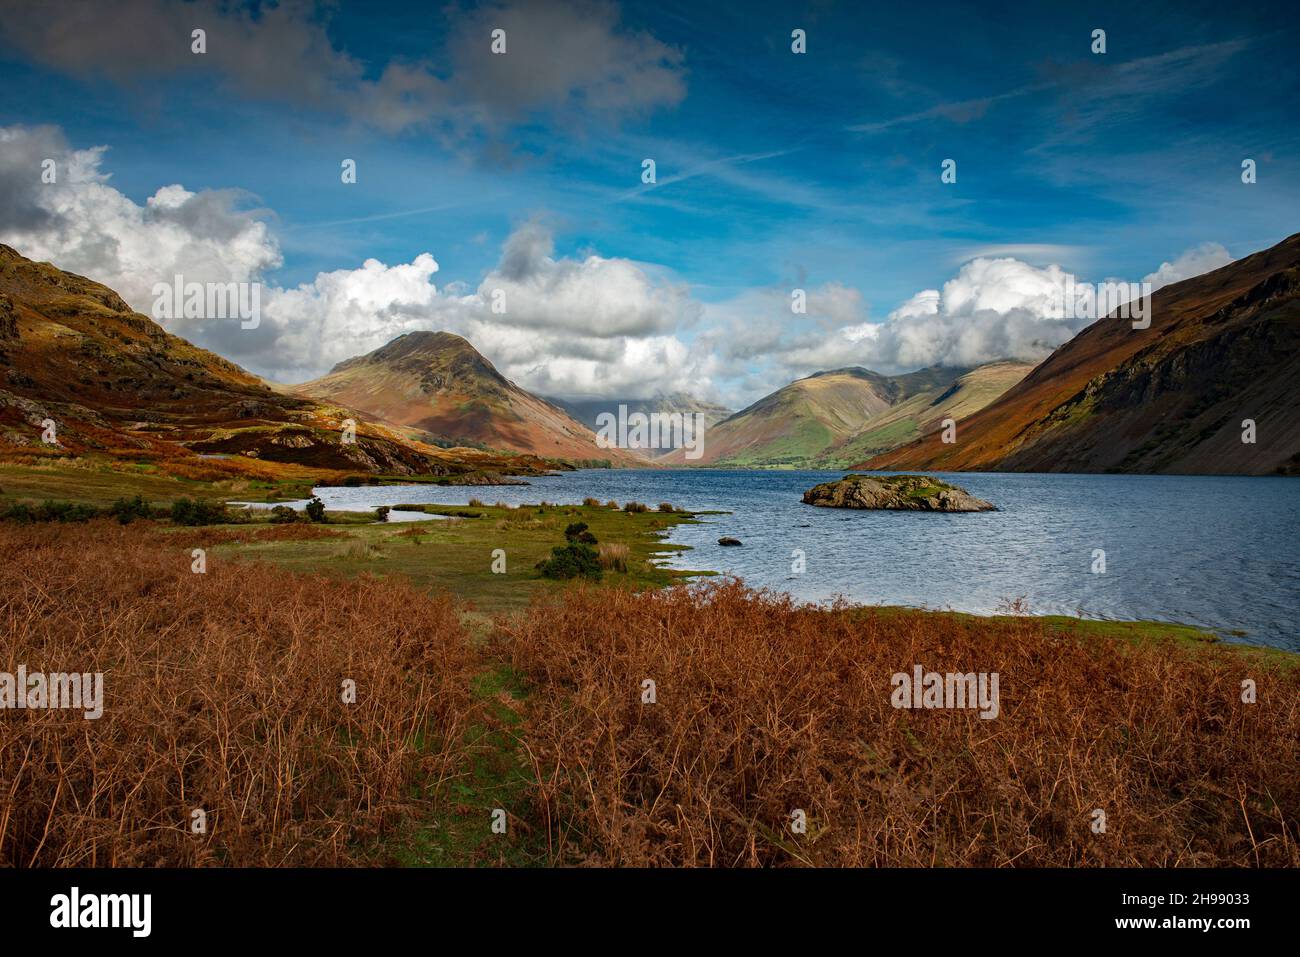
(586, 326)
(593, 296)
(86, 226)
(1193, 262)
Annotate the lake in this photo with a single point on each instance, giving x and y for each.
(1217, 551)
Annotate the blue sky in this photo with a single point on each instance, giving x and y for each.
(775, 170)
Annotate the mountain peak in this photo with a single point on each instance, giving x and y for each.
(439, 383)
(441, 360)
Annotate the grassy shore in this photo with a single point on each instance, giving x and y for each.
(456, 553)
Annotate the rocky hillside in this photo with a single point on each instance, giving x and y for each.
(1222, 349)
(439, 384)
(118, 386)
(831, 419)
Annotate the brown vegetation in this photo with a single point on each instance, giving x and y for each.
(764, 707)
(222, 692)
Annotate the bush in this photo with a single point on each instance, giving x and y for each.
(190, 512)
(283, 515)
(316, 509)
(127, 510)
(49, 511)
(666, 507)
(590, 502)
(574, 560)
(635, 507)
(381, 513)
(577, 532)
(612, 504)
(476, 503)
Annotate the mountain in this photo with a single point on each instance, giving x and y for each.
(439, 384)
(119, 387)
(1222, 348)
(587, 411)
(830, 419)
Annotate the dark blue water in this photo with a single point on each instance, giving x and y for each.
(1220, 552)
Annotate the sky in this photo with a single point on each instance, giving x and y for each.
(519, 174)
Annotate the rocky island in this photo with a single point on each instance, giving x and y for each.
(915, 493)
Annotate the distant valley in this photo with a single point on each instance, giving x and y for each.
(833, 419)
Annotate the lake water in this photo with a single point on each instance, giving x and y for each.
(1220, 552)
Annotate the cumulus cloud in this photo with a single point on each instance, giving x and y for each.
(993, 308)
(594, 297)
(84, 225)
(1194, 262)
(570, 326)
(566, 327)
(571, 60)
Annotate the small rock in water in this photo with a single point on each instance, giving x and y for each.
(728, 540)
(910, 493)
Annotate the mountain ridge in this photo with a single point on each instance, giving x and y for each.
(118, 386)
(1222, 348)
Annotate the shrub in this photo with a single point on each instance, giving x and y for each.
(577, 532)
(476, 503)
(197, 512)
(127, 510)
(574, 560)
(590, 502)
(611, 504)
(381, 513)
(666, 507)
(49, 511)
(635, 507)
(316, 509)
(283, 515)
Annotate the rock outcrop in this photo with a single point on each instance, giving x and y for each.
(911, 493)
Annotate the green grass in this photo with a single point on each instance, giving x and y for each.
(496, 778)
(456, 554)
(1191, 638)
